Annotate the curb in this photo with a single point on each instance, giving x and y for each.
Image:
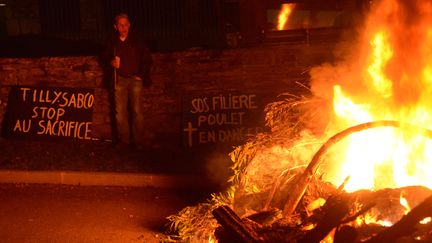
(102, 179)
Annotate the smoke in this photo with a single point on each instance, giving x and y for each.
(217, 168)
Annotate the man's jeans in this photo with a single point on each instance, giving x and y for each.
(128, 107)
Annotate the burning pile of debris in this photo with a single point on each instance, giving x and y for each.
(297, 205)
(351, 163)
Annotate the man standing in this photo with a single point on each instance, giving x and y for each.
(127, 55)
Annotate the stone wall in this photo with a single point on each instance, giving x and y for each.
(270, 69)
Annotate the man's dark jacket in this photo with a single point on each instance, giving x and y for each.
(135, 58)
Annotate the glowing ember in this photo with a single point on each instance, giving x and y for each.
(284, 15)
(329, 238)
(426, 220)
(309, 227)
(371, 218)
(316, 204)
(405, 204)
(211, 240)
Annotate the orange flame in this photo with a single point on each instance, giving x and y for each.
(372, 218)
(426, 220)
(284, 15)
(404, 202)
(389, 79)
(382, 53)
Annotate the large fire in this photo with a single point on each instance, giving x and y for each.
(387, 80)
(390, 78)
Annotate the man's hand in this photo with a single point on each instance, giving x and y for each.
(116, 62)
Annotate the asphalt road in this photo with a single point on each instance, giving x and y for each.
(53, 213)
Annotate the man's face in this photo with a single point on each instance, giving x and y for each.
(122, 26)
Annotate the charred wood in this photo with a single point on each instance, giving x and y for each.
(336, 209)
(407, 225)
(234, 229)
(345, 234)
(266, 217)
